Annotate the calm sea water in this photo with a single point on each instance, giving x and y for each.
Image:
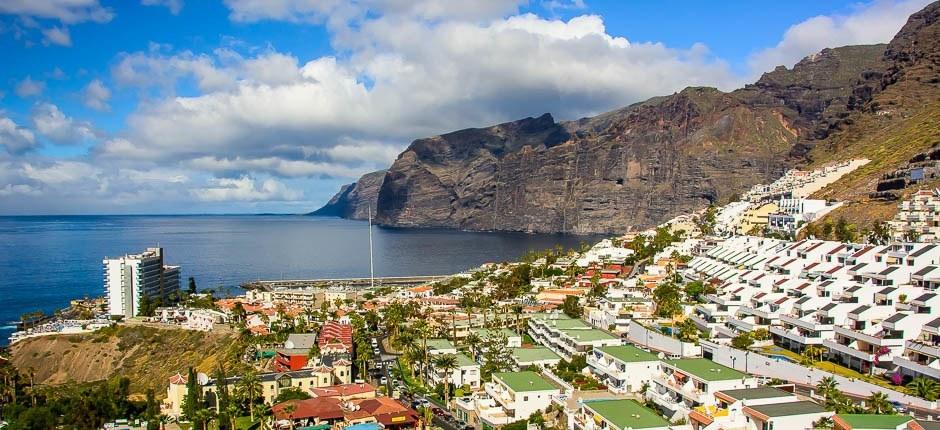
(46, 261)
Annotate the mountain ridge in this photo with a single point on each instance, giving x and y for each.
(639, 165)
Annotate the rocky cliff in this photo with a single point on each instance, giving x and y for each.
(639, 165)
(354, 200)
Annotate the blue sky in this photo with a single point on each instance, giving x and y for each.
(178, 106)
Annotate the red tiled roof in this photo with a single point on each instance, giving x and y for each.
(333, 330)
(178, 379)
(324, 408)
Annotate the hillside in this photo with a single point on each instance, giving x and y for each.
(146, 355)
(629, 168)
(899, 120)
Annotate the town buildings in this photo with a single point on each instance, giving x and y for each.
(918, 218)
(135, 277)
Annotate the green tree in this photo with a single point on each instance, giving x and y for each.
(925, 388)
(845, 232)
(496, 356)
(192, 286)
(249, 390)
(760, 334)
(694, 290)
(572, 307)
(292, 393)
(192, 401)
(668, 300)
(742, 341)
(880, 233)
(688, 331)
(878, 403)
(446, 364)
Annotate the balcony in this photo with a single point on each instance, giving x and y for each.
(741, 325)
(668, 402)
(848, 350)
(923, 348)
(915, 367)
(808, 325)
(795, 336)
(685, 390)
(867, 338)
(491, 413)
(498, 394)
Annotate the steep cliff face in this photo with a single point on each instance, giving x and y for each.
(632, 167)
(354, 200)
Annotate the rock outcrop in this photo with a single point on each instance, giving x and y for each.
(640, 165)
(354, 200)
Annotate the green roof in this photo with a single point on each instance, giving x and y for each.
(463, 360)
(545, 316)
(628, 353)
(802, 407)
(526, 355)
(484, 332)
(756, 393)
(705, 369)
(874, 422)
(588, 335)
(522, 382)
(627, 414)
(567, 324)
(440, 344)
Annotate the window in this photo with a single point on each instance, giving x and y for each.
(525, 398)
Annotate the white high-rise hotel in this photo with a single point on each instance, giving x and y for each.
(129, 278)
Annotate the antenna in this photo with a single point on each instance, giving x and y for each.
(371, 265)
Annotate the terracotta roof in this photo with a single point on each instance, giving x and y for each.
(324, 408)
(178, 379)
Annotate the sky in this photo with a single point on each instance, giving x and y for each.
(251, 106)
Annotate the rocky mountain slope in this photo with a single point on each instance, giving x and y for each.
(898, 121)
(642, 164)
(354, 200)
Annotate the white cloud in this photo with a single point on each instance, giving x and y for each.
(404, 79)
(52, 123)
(96, 95)
(175, 6)
(57, 36)
(66, 11)
(245, 189)
(15, 139)
(29, 87)
(338, 12)
(60, 172)
(875, 22)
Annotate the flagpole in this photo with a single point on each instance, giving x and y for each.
(371, 265)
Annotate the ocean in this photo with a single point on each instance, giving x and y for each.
(45, 261)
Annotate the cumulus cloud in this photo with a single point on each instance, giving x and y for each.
(246, 189)
(15, 139)
(57, 36)
(175, 6)
(96, 95)
(404, 79)
(60, 172)
(871, 23)
(29, 87)
(66, 11)
(52, 123)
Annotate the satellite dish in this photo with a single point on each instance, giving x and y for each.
(661, 356)
(202, 378)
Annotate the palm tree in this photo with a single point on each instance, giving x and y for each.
(446, 363)
(289, 410)
(827, 386)
(249, 388)
(428, 416)
(812, 354)
(879, 403)
(925, 388)
(264, 412)
(473, 341)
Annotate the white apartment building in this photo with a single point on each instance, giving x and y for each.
(621, 414)
(682, 385)
(466, 373)
(513, 396)
(567, 336)
(624, 369)
(918, 218)
(130, 278)
(757, 409)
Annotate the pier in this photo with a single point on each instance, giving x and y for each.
(398, 281)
